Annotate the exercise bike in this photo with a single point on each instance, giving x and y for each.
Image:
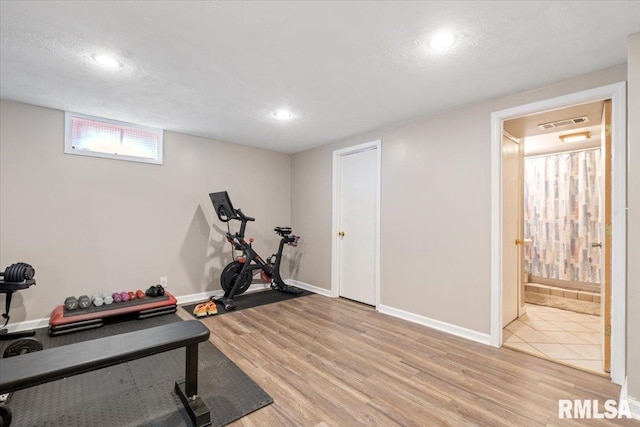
(238, 274)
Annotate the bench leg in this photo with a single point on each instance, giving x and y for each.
(188, 390)
(191, 371)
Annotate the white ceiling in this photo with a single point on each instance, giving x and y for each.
(219, 69)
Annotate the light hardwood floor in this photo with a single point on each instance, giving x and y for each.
(333, 362)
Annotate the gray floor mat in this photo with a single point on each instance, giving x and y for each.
(137, 393)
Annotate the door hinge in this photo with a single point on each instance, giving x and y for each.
(608, 230)
(608, 130)
(607, 331)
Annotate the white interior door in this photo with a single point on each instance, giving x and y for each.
(511, 227)
(357, 226)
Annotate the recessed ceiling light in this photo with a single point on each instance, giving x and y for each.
(283, 115)
(441, 41)
(107, 61)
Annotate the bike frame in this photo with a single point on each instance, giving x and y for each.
(252, 261)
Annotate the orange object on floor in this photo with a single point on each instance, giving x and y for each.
(212, 308)
(200, 310)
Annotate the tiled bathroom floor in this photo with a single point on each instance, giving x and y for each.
(571, 338)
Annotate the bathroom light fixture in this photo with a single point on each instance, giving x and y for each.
(106, 60)
(283, 115)
(441, 41)
(575, 137)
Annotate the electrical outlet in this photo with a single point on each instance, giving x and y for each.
(163, 282)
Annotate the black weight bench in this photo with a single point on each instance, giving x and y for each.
(40, 367)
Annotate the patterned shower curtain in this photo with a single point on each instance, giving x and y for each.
(562, 216)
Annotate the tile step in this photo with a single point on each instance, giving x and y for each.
(564, 293)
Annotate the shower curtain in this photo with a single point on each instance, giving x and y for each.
(562, 216)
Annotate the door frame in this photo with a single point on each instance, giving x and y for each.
(617, 93)
(335, 248)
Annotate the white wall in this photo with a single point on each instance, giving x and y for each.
(435, 219)
(633, 221)
(92, 225)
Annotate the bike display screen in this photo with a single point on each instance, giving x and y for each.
(222, 205)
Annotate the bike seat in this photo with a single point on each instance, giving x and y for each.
(283, 231)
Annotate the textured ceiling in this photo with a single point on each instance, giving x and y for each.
(219, 70)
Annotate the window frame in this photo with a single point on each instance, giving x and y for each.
(69, 149)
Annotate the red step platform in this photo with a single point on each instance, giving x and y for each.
(63, 321)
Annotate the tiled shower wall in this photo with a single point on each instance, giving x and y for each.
(562, 216)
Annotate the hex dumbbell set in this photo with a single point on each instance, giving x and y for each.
(87, 312)
(83, 302)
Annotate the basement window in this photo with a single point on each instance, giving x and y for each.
(98, 137)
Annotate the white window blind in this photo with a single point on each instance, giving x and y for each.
(94, 136)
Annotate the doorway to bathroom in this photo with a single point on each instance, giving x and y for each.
(561, 219)
(551, 172)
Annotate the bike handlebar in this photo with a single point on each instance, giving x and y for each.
(243, 217)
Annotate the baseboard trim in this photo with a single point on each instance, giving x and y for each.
(634, 405)
(28, 324)
(188, 299)
(308, 287)
(436, 324)
(202, 296)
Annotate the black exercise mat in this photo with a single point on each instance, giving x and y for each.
(250, 300)
(137, 393)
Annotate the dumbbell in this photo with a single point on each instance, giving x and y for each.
(116, 297)
(71, 303)
(125, 296)
(132, 295)
(84, 301)
(155, 291)
(140, 294)
(97, 300)
(108, 299)
(18, 272)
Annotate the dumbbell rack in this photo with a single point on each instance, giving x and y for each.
(63, 321)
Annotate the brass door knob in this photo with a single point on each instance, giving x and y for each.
(341, 234)
(596, 245)
(519, 242)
